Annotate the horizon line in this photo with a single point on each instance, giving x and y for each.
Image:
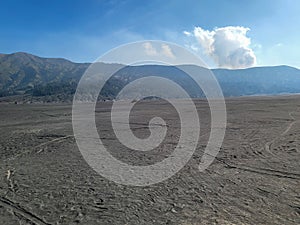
(211, 68)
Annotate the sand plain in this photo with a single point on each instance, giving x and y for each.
(255, 178)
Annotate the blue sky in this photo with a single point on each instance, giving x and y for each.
(83, 30)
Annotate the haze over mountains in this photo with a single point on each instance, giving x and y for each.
(26, 74)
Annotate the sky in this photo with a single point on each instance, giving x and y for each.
(229, 34)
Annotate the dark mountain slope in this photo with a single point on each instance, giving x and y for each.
(22, 73)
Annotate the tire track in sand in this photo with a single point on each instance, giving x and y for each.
(21, 211)
(268, 145)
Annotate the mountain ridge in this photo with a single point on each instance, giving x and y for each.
(64, 59)
(23, 73)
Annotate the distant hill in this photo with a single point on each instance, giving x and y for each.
(259, 81)
(21, 73)
(26, 74)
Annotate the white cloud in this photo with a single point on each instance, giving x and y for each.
(149, 49)
(167, 51)
(228, 46)
(194, 48)
(164, 50)
(187, 33)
